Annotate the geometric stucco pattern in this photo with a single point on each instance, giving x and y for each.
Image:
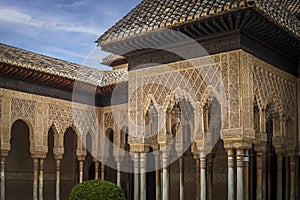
(23, 109)
(42, 113)
(195, 79)
(243, 77)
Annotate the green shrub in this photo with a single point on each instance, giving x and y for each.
(96, 190)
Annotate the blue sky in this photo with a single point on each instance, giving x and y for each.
(64, 29)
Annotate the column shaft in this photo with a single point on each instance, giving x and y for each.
(203, 176)
(181, 178)
(231, 188)
(41, 179)
(2, 178)
(240, 174)
(292, 177)
(157, 175)
(279, 176)
(259, 175)
(119, 173)
(96, 170)
(165, 176)
(287, 178)
(143, 175)
(198, 181)
(57, 179)
(210, 177)
(35, 178)
(246, 174)
(80, 171)
(102, 171)
(136, 176)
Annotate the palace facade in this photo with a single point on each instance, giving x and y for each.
(202, 103)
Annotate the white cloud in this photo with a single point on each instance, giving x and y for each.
(15, 16)
(12, 15)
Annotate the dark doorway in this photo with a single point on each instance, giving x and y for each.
(50, 169)
(150, 176)
(69, 164)
(19, 164)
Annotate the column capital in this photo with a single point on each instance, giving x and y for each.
(38, 155)
(139, 148)
(260, 147)
(58, 152)
(237, 144)
(81, 153)
(3, 153)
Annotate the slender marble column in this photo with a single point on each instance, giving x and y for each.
(287, 178)
(143, 175)
(246, 174)
(292, 177)
(119, 173)
(57, 179)
(136, 176)
(41, 179)
(279, 176)
(231, 188)
(259, 175)
(35, 178)
(203, 176)
(80, 171)
(157, 175)
(2, 178)
(96, 170)
(165, 180)
(102, 171)
(240, 173)
(181, 178)
(198, 180)
(210, 176)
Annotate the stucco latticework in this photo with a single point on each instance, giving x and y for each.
(242, 77)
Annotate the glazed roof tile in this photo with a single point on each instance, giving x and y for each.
(41, 63)
(150, 15)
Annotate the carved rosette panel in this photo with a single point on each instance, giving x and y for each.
(23, 109)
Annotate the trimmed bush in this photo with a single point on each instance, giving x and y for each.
(96, 190)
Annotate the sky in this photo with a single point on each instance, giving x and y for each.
(63, 29)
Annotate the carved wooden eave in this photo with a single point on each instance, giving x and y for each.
(45, 84)
(245, 29)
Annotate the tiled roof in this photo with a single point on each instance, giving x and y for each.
(41, 63)
(150, 15)
(114, 77)
(292, 5)
(111, 58)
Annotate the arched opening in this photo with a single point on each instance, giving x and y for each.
(89, 165)
(19, 164)
(50, 169)
(180, 118)
(127, 176)
(110, 168)
(69, 164)
(271, 175)
(150, 175)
